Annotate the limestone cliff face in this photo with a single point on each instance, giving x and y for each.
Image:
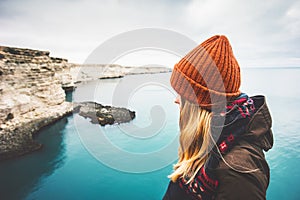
(31, 96)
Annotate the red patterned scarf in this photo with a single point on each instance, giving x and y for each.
(237, 116)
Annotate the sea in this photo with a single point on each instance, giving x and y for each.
(81, 160)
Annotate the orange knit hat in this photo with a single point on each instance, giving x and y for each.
(209, 74)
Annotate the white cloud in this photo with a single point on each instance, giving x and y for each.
(255, 28)
(292, 20)
(260, 31)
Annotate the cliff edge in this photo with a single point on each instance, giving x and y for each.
(31, 96)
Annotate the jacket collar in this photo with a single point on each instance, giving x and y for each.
(258, 130)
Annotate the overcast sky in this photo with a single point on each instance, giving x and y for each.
(262, 33)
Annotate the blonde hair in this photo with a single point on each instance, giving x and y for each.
(195, 141)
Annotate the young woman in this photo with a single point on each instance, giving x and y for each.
(223, 132)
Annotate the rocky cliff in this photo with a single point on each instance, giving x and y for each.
(31, 96)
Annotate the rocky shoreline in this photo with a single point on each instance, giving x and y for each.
(75, 74)
(31, 97)
(32, 90)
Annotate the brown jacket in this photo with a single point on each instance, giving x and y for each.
(247, 155)
(245, 175)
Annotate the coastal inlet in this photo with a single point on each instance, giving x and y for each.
(33, 88)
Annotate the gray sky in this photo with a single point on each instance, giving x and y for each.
(262, 33)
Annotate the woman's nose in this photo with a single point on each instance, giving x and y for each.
(177, 100)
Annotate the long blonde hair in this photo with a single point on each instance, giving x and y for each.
(195, 141)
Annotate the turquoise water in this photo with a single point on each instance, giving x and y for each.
(84, 161)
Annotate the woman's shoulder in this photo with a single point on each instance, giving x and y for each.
(244, 155)
(243, 170)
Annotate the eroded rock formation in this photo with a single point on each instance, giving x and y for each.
(31, 96)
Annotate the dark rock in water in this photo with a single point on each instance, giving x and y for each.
(112, 76)
(103, 115)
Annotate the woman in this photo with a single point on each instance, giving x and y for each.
(223, 132)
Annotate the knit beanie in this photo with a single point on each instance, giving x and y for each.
(209, 74)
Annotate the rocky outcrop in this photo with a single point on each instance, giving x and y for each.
(103, 115)
(31, 96)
